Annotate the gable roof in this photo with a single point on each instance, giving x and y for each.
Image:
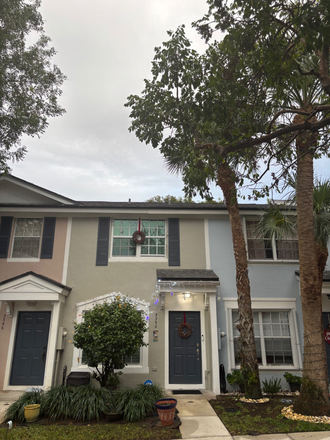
(15, 191)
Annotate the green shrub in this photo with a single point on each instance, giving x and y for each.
(235, 377)
(136, 404)
(89, 403)
(291, 378)
(58, 402)
(108, 334)
(15, 412)
(273, 386)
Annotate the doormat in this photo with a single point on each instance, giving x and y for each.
(186, 392)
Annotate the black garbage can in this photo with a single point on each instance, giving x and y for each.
(78, 378)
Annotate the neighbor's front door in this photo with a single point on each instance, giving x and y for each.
(185, 354)
(30, 350)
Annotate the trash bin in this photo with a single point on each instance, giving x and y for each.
(78, 378)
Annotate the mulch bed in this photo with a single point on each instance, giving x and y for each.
(242, 418)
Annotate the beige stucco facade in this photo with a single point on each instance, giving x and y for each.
(131, 277)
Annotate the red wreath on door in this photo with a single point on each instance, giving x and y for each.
(327, 334)
(185, 325)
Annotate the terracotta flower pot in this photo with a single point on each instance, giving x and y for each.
(166, 410)
(31, 413)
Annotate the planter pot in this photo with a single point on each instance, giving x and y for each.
(113, 417)
(31, 413)
(294, 387)
(166, 410)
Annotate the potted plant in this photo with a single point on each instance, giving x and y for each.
(236, 377)
(166, 410)
(293, 381)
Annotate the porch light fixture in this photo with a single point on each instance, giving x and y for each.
(186, 295)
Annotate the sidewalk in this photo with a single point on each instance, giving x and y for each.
(200, 422)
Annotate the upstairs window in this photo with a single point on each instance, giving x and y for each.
(124, 246)
(263, 248)
(27, 238)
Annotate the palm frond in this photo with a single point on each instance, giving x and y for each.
(273, 223)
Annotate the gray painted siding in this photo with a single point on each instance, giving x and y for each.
(267, 280)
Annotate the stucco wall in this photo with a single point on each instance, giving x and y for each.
(133, 278)
(267, 280)
(52, 268)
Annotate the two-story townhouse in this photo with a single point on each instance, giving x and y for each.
(60, 257)
(34, 236)
(274, 278)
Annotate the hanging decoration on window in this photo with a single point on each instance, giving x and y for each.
(185, 326)
(327, 334)
(139, 236)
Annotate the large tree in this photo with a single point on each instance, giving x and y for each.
(277, 36)
(29, 83)
(177, 108)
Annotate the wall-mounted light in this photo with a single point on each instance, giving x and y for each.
(186, 295)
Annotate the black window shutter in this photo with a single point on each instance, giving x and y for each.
(102, 252)
(173, 242)
(48, 238)
(5, 231)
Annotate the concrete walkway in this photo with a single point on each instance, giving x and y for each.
(200, 422)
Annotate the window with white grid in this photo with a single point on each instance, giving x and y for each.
(273, 337)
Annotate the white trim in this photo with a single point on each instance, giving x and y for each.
(138, 256)
(207, 244)
(137, 259)
(41, 191)
(260, 304)
(67, 250)
(214, 345)
(176, 303)
(23, 260)
(143, 367)
(54, 308)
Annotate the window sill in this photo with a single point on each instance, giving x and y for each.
(129, 369)
(23, 260)
(273, 261)
(138, 259)
(273, 368)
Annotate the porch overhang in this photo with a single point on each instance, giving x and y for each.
(193, 280)
(31, 288)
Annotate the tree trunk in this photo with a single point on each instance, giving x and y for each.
(314, 397)
(249, 361)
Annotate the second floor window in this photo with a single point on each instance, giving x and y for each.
(124, 246)
(263, 248)
(27, 238)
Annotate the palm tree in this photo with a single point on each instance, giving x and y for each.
(274, 223)
(226, 179)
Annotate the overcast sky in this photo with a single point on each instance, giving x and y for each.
(105, 48)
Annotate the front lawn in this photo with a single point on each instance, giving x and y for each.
(259, 418)
(113, 431)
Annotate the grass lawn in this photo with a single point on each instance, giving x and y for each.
(263, 418)
(112, 431)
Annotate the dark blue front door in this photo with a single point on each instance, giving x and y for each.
(30, 348)
(185, 354)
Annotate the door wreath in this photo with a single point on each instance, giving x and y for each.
(181, 327)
